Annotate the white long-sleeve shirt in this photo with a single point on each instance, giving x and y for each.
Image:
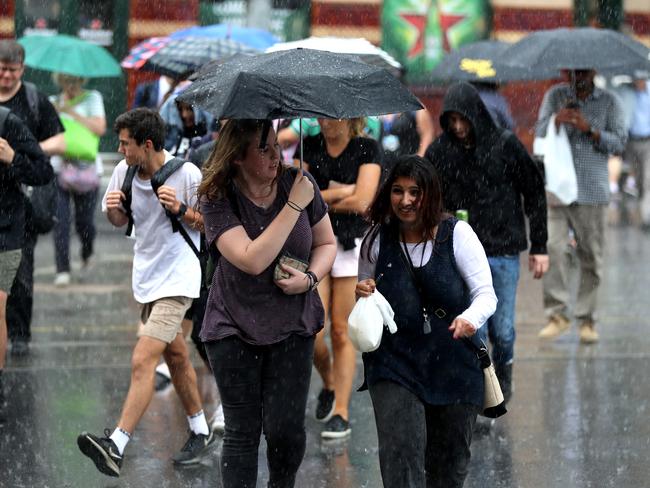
(472, 264)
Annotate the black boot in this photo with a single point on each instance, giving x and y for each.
(504, 375)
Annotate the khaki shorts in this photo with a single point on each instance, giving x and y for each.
(9, 262)
(161, 319)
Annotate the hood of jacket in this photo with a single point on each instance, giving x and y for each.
(463, 98)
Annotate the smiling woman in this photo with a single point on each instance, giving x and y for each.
(436, 277)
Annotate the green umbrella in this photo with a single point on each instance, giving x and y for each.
(70, 55)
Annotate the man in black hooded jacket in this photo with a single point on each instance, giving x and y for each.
(486, 171)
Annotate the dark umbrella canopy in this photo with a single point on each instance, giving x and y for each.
(298, 83)
(550, 51)
(480, 62)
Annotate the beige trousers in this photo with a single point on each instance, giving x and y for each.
(587, 222)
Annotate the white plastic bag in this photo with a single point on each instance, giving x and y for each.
(558, 163)
(367, 319)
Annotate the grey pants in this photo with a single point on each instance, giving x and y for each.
(421, 445)
(637, 153)
(587, 222)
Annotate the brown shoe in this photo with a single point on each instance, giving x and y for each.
(557, 325)
(588, 334)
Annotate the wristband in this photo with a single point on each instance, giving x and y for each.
(294, 206)
(181, 210)
(313, 278)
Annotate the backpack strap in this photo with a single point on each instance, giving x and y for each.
(4, 113)
(157, 180)
(32, 98)
(126, 189)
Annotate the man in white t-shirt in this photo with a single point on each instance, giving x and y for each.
(166, 278)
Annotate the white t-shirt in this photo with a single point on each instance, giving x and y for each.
(472, 264)
(164, 265)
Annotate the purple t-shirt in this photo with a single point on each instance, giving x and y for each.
(251, 307)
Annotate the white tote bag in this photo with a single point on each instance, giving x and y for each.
(560, 172)
(367, 319)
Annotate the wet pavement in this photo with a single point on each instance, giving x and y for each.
(578, 417)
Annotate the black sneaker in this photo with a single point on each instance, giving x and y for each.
(325, 405)
(102, 451)
(19, 348)
(162, 382)
(194, 449)
(336, 428)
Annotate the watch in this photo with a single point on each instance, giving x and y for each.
(181, 210)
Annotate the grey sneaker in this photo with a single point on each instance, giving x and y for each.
(194, 449)
(102, 451)
(336, 428)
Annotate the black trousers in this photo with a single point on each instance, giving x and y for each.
(21, 301)
(263, 389)
(421, 445)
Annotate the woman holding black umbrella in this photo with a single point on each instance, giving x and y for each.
(347, 168)
(259, 331)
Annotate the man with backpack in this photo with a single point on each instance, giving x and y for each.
(40, 117)
(488, 175)
(21, 163)
(158, 204)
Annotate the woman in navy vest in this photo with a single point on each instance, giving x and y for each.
(433, 271)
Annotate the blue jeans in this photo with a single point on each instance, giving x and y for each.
(84, 219)
(501, 326)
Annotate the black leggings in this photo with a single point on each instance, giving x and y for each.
(262, 388)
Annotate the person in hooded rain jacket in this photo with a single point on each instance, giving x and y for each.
(486, 171)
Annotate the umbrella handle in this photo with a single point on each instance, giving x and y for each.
(300, 121)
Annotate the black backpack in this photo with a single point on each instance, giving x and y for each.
(42, 199)
(157, 180)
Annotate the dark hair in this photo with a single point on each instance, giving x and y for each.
(11, 51)
(430, 212)
(142, 124)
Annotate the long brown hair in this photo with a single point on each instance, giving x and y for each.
(219, 170)
(430, 212)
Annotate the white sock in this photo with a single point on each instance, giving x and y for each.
(121, 438)
(163, 369)
(198, 424)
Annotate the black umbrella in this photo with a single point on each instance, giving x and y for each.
(298, 83)
(480, 61)
(549, 51)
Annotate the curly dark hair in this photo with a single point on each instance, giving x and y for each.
(142, 124)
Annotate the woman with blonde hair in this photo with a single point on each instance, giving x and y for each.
(347, 168)
(259, 325)
(78, 178)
